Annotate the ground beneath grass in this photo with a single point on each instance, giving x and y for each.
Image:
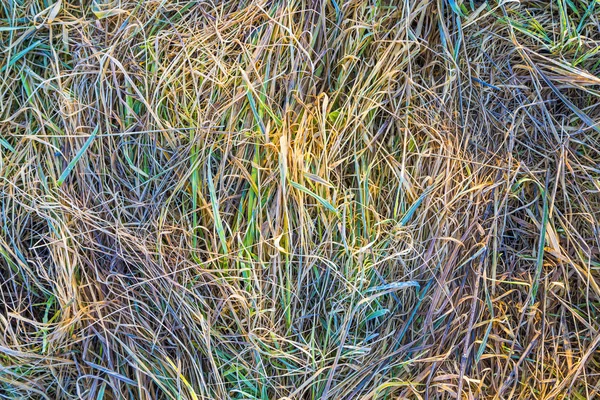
(302, 199)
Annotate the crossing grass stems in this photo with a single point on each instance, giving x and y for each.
(337, 199)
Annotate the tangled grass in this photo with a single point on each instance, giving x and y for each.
(301, 199)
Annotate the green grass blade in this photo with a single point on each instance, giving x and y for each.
(215, 207)
(321, 200)
(20, 55)
(79, 154)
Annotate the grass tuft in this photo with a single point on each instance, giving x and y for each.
(299, 199)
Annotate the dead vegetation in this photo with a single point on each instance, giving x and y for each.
(337, 199)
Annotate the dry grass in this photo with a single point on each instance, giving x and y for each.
(302, 199)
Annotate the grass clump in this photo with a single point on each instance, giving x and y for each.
(299, 199)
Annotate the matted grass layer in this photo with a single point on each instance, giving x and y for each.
(302, 199)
